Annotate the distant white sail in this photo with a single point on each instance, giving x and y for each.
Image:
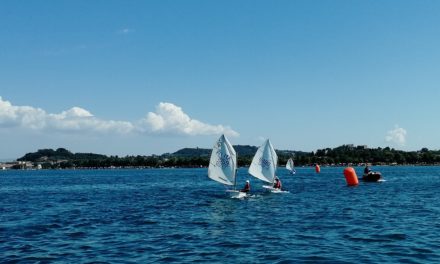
(290, 166)
(264, 163)
(223, 162)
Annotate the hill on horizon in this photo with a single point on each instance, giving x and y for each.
(43, 155)
(242, 150)
(199, 157)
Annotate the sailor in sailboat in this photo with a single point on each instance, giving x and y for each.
(290, 166)
(223, 166)
(264, 166)
(247, 187)
(277, 183)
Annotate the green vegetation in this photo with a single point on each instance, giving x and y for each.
(197, 157)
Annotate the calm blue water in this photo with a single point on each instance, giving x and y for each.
(179, 215)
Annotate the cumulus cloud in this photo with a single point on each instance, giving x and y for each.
(171, 119)
(79, 119)
(25, 116)
(397, 136)
(74, 119)
(168, 119)
(125, 31)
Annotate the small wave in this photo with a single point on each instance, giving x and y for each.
(32, 259)
(365, 239)
(201, 224)
(317, 259)
(36, 230)
(394, 236)
(146, 222)
(269, 257)
(55, 226)
(85, 247)
(78, 234)
(228, 244)
(308, 237)
(378, 238)
(423, 250)
(168, 259)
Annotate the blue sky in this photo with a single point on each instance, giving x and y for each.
(148, 77)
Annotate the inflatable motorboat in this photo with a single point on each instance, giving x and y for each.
(372, 176)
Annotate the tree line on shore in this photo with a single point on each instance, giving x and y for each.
(198, 157)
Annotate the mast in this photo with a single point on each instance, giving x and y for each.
(273, 161)
(276, 166)
(235, 179)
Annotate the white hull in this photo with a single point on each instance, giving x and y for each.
(273, 190)
(236, 194)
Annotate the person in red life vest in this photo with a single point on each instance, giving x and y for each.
(277, 183)
(247, 187)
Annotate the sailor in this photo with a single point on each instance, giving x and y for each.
(247, 187)
(277, 183)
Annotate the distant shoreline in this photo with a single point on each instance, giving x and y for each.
(342, 156)
(311, 166)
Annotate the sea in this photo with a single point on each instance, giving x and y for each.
(181, 216)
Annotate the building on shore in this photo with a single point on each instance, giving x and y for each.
(22, 165)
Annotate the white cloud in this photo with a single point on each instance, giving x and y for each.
(125, 31)
(26, 116)
(79, 119)
(168, 119)
(171, 119)
(397, 136)
(74, 119)
(75, 112)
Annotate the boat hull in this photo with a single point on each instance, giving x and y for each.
(236, 194)
(273, 190)
(372, 177)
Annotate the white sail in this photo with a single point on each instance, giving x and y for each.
(223, 162)
(290, 165)
(264, 163)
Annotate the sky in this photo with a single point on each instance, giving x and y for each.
(150, 77)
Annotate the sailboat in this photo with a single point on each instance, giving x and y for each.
(264, 165)
(223, 166)
(290, 166)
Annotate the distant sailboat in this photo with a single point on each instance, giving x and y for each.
(223, 165)
(264, 165)
(290, 166)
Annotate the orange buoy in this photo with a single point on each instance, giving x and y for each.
(317, 168)
(350, 176)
